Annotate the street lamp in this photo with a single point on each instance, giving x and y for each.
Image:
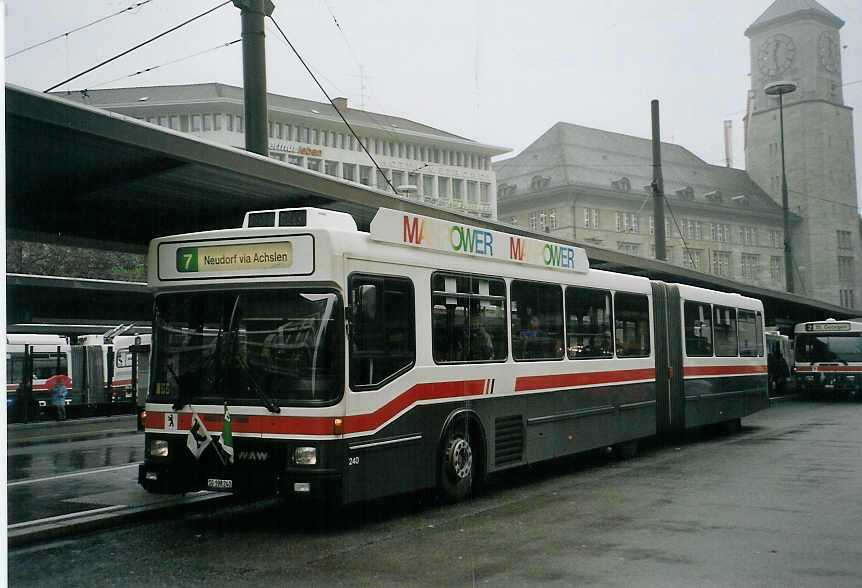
(780, 89)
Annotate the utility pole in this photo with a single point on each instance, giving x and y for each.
(657, 186)
(254, 72)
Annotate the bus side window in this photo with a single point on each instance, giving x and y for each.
(631, 329)
(382, 329)
(724, 327)
(747, 334)
(468, 318)
(697, 320)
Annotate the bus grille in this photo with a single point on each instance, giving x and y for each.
(508, 440)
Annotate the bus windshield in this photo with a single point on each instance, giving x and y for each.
(834, 347)
(270, 348)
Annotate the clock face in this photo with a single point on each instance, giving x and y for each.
(776, 55)
(827, 48)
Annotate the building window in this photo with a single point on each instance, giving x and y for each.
(775, 268)
(721, 263)
(471, 192)
(365, 175)
(229, 122)
(238, 124)
(692, 229)
(533, 220)
(750, 265)
(174, 122)
(217, 121)
(485, 193)
(196, 123)
(295, 160)
(591, 218)
(348, 171)
(720, 232)
(397, 179)
(693, 259)
(845, 268)
(775, 239)
(628, 248)
(313, 164)
(457, 189)
(748, 235)
(208, 122)
(330, 168)
(443, 188)
(848, 298)
(844, 241)
(428, 186)
(627, 222)
(622, 185)
(552, 219)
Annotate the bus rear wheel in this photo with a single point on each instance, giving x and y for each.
(457, 463)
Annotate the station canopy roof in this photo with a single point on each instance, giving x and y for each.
(89, 177)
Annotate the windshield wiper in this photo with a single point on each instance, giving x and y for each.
(227, 359)
(183, 395)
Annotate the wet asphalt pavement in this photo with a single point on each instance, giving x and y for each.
(777, 504)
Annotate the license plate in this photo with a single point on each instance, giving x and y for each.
(216, 484)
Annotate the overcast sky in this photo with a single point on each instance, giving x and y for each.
(500, 72)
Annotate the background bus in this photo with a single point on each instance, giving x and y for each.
(98, 367)
(779, 349)
(828, 359)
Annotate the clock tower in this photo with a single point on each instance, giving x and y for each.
(798, 41)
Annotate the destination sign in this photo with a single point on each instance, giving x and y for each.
(222, 258)
(237, 258)
(414, 230)
(822, 327)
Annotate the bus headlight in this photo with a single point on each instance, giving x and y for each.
(158, 448)
(305, 455)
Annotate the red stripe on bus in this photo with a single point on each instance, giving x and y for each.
(528, 383)
(830, 368)
(282, 425)
(155, 420)
(724, 370)
(419, 392)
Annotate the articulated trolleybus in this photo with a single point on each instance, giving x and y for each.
(299, 356)
(828, 359)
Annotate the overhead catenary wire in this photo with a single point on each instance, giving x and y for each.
(80, 28)
(172, 62)
(678, 230)
(139, 45)
(319, 85)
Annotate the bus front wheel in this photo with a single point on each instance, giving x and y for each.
(457, 463)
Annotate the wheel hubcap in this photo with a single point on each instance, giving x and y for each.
(462, 458)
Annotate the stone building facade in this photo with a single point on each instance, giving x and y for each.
(594, 187)
(419, 161)
(798, 41)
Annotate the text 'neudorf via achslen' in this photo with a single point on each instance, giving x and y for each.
(256, 257)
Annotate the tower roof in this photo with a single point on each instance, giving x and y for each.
(786, 10)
